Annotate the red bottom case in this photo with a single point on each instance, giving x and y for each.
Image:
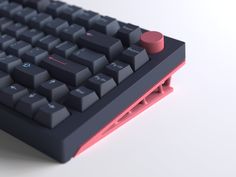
(155, 94)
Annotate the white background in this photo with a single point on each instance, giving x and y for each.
(191, 133)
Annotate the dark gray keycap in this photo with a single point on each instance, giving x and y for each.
(53, 89)
(11, 94)
(3, 2)
(95, 61)
(55, 26)
(8, 63)
(15, 29)
(48, 42)
(30, 104)
(65, 49)
(35, 55)
(10, 9)
(72, 33)
(87, 19)
(31, 36)
(81, 98)
(55, 8)
(18, 48)
(5, 80)
(70, 13)
(65, 70)
(40, 5)
(101, 83)
(2, 54)
(129, 34)
(136, 56)
(5, 41)
(52, 114)
(38, 21)
(30, 75)
(118, 70)
(107, 25)
(24, 15)
(5, 22)
(102, 43)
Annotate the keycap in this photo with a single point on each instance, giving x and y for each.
(81, 98)
(65, 70)
(35, 55)
(31, 36)
(95, 61)
(30, 104)
(10, 9)
(136, 56)
(48, 42)
(5, 80)
(5, 22)
(55, 26)
(40, 5)
(38, 21)
(118, 70)
(30, 75)
(18, 48)
(65, 49)
(5, 41)
(101, 83)
(72, 33)
(129, 34)
(55, 8)
(3, 2)
(101, 43)
(87, 18)
(53, 89)
(24, 15)
(8, 63)
(11, 94)
(107, 25)
(2, 54)
(69, 13)
(15, 29)
(52, 114)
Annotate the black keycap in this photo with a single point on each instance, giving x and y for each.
(40, 5)
(11, 94)
(2, 54)
(38, 21)
(8, 63)
(5, 80)
(3, 2)
(52, 114)
(30, 75)
(107, 25)
(48, 42)
(15, 29)
(87, 19)
(55, 26)
(102, 43)
(5, 22)
(35, 55)
(70, 12)
(129, 34)
(10, 9)
(65, 49)
(95, 61)
(5, 41)
(18, 48)
(119, 71)
(53, 89)
(31, 36)
(101, 83)
(55, 8)
(24, 15)
(72, 33)
(81, 98)
(136, 56)
(30, 104)
(65, 70)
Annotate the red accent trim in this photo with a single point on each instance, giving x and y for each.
(155, 94)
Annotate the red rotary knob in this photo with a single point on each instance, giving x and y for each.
(152, 41)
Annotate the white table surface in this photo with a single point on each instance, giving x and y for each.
(191, 133)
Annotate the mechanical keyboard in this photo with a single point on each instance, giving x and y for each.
(70, 76)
